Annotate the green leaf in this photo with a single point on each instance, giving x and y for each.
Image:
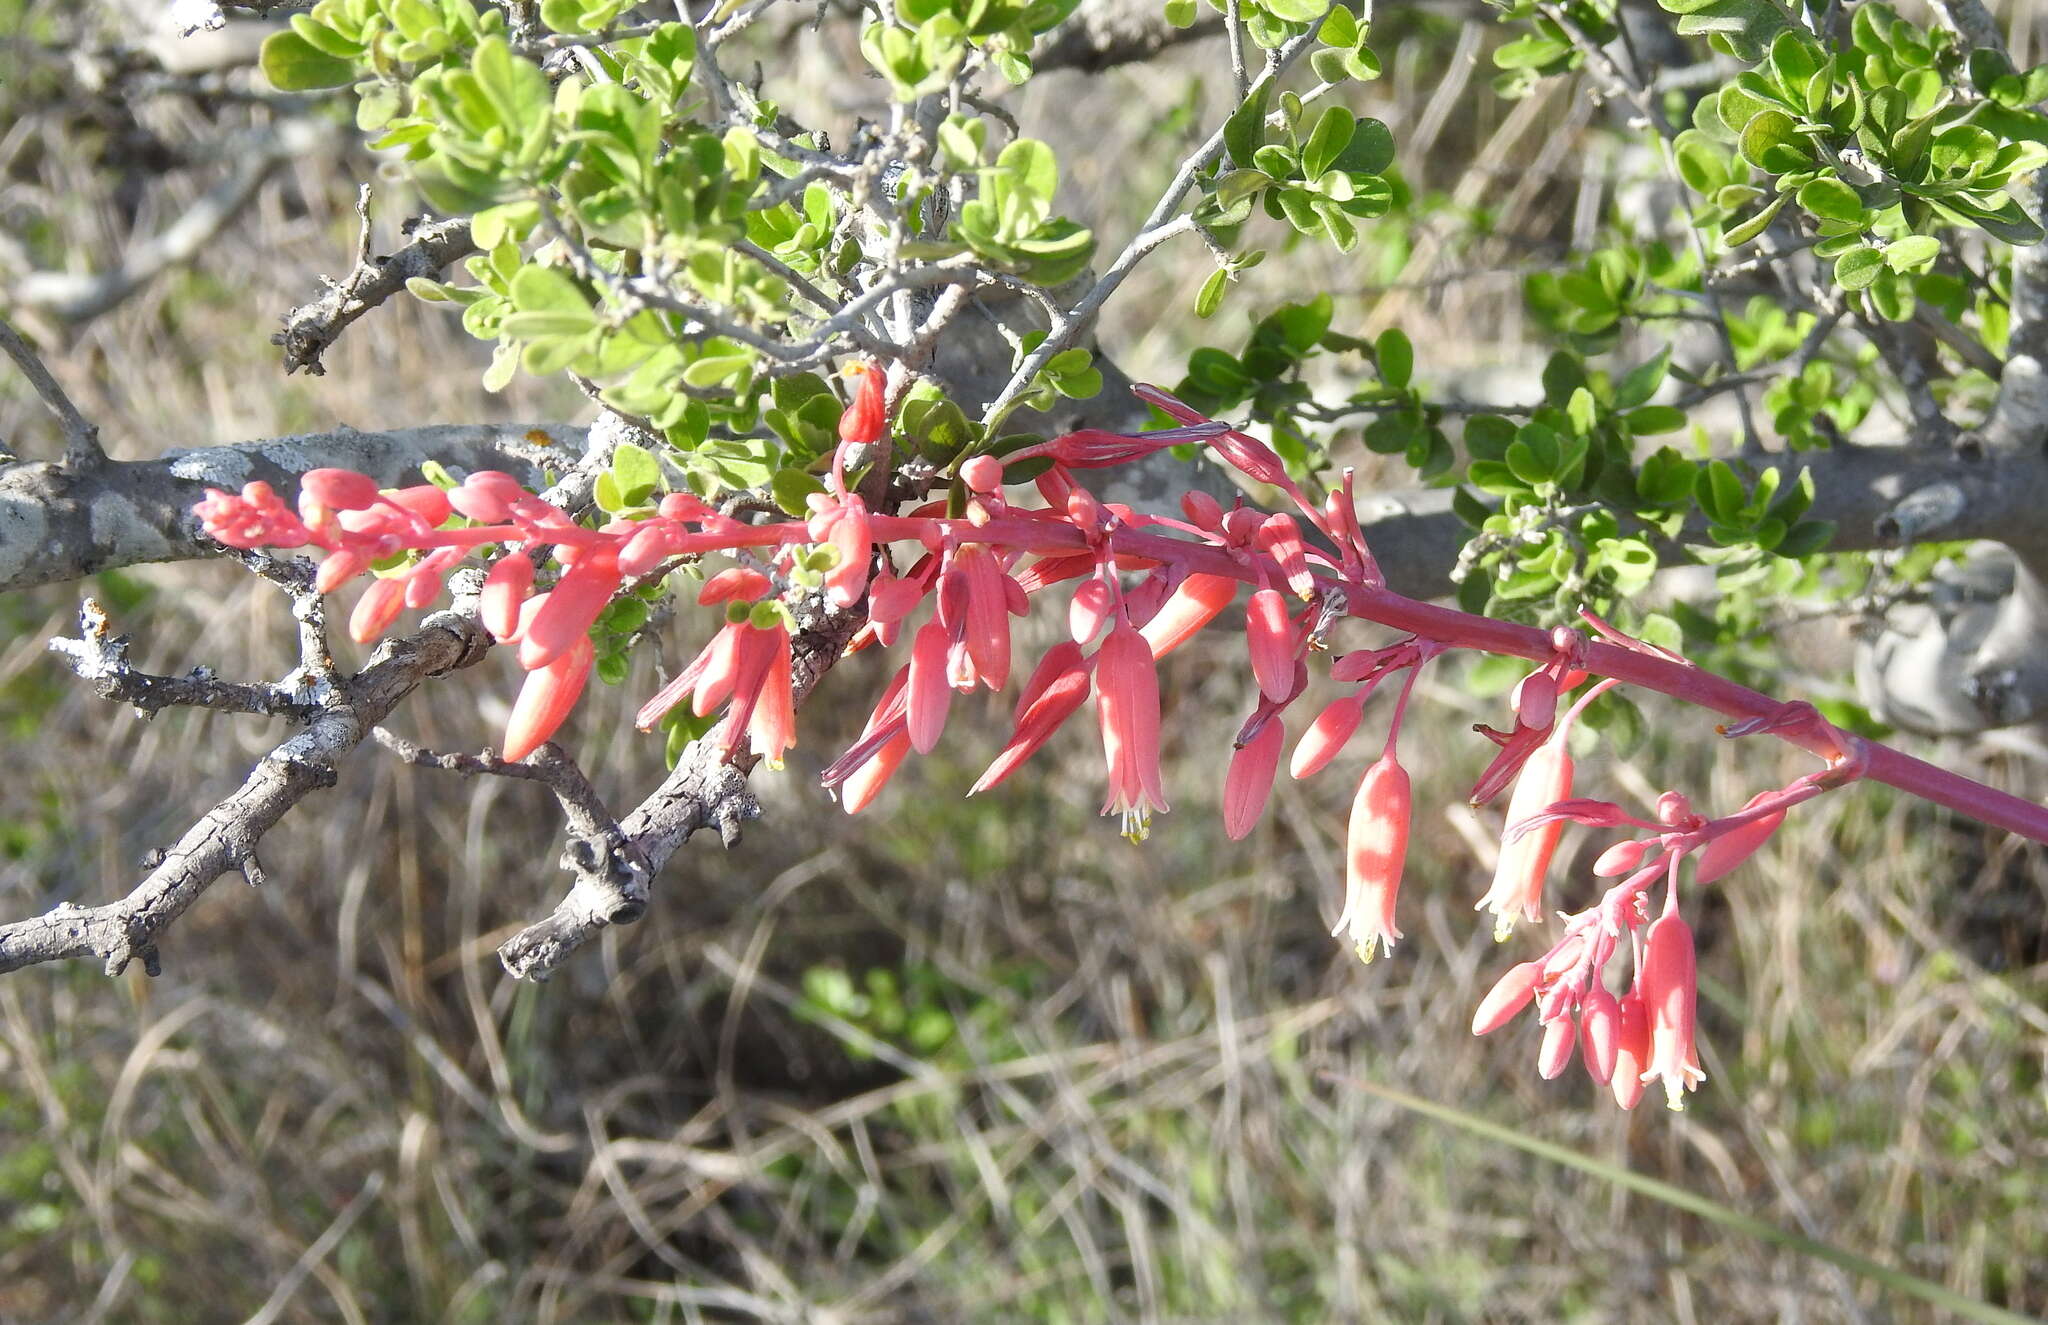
(1331, 135)
(1643, 380)
(1718, 491)
(1340, 28)
(1652, 419)
(1857, 268)
(1395, 357)
(1210, 297)
(1245, 131)
(1913, 251)
(1771, 141)
(1831, 199)
(636, 471)
(293, 64)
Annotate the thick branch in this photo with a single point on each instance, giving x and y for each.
(59, 524)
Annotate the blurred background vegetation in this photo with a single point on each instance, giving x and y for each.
(954, 1060)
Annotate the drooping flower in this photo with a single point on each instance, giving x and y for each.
(1525, 858)
(546, 698)
(1057, 688)
(1600, 1032)
(1249, 783)
(1376, 850)
(1127, 705)
(863, 420)
(1193, 604)
(1631, 1050)
(1269, 635)
(1669, 981)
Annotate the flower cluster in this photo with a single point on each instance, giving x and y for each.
(952, 571)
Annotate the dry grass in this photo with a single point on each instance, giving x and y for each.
(1097, 1082)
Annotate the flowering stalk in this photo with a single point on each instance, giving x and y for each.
(1141, 585)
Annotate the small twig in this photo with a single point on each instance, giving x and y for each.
(102, 658)
(1158, 227)
(81, 439)
(310, 328)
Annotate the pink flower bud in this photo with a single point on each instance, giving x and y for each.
(1509, 995)
(376, 610)
(646, 548)
(339, 489)
(1249, 783)
(1631, 1050)
(1202, 510)
(1729, 850)
(578, 597)
(1056, 690)
(426, 502)
(338, 568)
(1327, 735)
(1089, 610)
(1559, 1038)
(1600, 1031)
(1622, 857)
(983, 473)
(486, 496)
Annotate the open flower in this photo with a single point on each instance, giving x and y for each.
(1127, 704)
(1375, 851)
(1669, 981)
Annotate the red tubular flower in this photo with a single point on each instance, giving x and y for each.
(848, 578)
(1280, 536)
(735, 584)
(984, 619)
(865, 783)
(717, 670)
(931, 693)
(1270, 637)
(864, 419)
(578, 597)
(376, 610)
(1056, 690)
(1669, 981)
(1328, 734)
(546, 698)
(1127, 704)
(761, 654)
(1509, 995)
(1631, 1050)
(1249, 783)
(1193, 604)
(771, 727)
(1524, 860)
(1376, 850)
